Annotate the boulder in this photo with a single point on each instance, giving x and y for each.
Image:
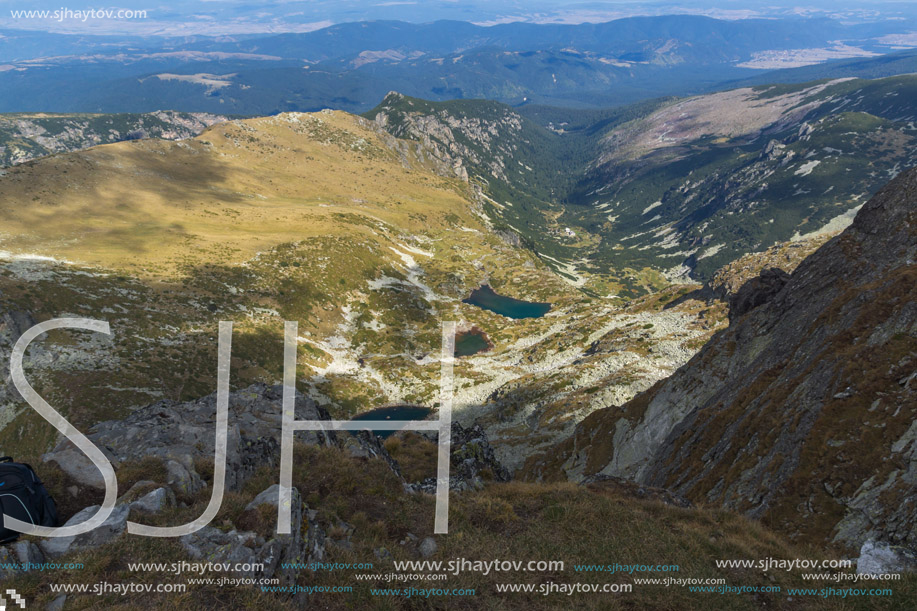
(182, 479)
(136, 491)
(878, 558)
(110, 530)
(154, 501)
(71, 460)
(214, 545)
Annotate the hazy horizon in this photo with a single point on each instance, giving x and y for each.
(237, 17)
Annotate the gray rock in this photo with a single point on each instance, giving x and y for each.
(472, 459)
(214, 545)
(271, 496)
(110, 530)
(307, 540)
(472, 455)
(881, 558)
(427, 547)
(27, 552)
(14, 323)
(354, 448)
(154, 501)
(181, 479)
(21, 553)
(180, 433)
(136, 491)
(57, 604)
(77, 465)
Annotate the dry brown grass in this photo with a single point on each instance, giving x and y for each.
(514, 521)
(416, 455)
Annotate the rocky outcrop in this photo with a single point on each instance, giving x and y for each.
(180, 433)
(757, 291)
(112, 528)
(13, 323)
(154, 501)
(262, 550)
(801, 412)
(881, 558)
(455, 143)
(472, 462)
(25, 137)
(729, 279)
(473, 457)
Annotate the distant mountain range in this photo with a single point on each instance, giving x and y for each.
(352, 65)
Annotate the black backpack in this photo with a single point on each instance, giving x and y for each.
(23, 496)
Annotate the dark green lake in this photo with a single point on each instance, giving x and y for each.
(487, 299)
(471, 342)
(398, 412)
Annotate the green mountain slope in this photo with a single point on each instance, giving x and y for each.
(524, 161)
(704, 180)
(801, 413)
(327, 219)
(619, 201)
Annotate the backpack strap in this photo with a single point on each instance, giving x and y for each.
(32, 471)
(6, 459)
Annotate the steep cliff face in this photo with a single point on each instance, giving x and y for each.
(802, 412)
(482, 139)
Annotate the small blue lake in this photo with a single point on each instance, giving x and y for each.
(398, 412)
(486, 298)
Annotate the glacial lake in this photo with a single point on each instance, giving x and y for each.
(398, 412)
(486, 298)
(468, 343)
